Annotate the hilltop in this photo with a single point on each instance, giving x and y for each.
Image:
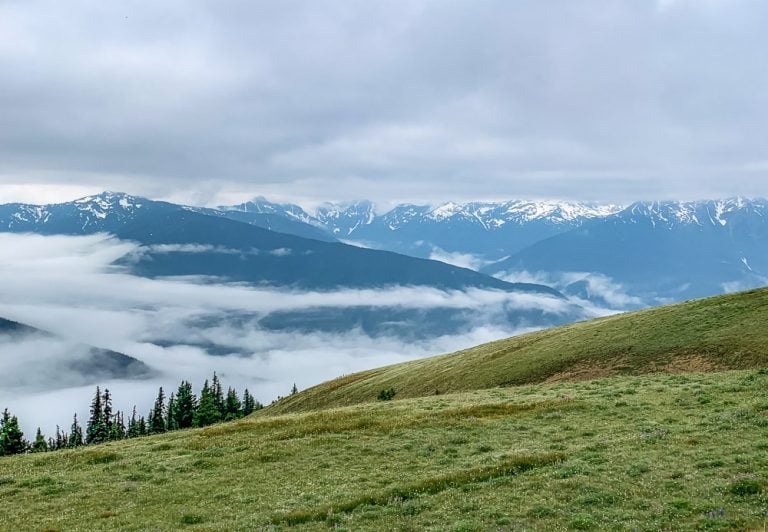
(710, 334)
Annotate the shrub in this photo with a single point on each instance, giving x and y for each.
(387, 394)
(540, 512)
(582, 521)
(191, 519)
(745, 486)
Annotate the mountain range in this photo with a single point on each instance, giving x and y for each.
(232, 245)
(651, 252)
(180, 240)
(662, 250)
(487, 230)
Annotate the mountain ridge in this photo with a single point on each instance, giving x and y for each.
(285, 256)
(92, 364)
(677, 250)
(712, 334)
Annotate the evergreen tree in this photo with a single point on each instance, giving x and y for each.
(40, 445)
(171, 421)
(218, 396)
(249, 403)
(232, 405)
(294, 389)
(75, 438)
(60, 441)
(11, 437)
(96, 429)
(117, 428)
(157, 415)
(143, 426)
(133, 425)
(106, 409)
(207, 412)
(186, 405)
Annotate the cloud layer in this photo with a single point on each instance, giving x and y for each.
(395, 100)
(187, 328)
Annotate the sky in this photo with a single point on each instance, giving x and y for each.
(209, 102)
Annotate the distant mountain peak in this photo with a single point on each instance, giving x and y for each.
(700, 212)
(109, 199)
(345, 218)
(261, 205)
(496, 214)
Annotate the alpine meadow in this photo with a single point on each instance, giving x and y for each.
(491, 265)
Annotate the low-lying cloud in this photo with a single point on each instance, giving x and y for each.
(592, 287)
(186, 328)
(462, 260)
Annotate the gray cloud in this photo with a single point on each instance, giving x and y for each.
(405, 100)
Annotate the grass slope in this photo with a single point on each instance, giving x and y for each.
(726, 332)
(655, 452)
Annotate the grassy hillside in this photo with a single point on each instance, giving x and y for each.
(727, 332)
(653, 452)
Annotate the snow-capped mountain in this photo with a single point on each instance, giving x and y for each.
(109, 211)
(488, 230)
(282, 218)
(493, 216)
(190, 242)
(668, 250)
(672, 214)
(662, 250)
(181, 240)
(91, 214)
(344, 219)
(261, 205)
(485, 230)
(490, 216)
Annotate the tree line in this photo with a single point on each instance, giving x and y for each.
(181, 410)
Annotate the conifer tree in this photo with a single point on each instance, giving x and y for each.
(171, 422)
(294, 389)
(207, 411)
(40, 445)
(186, 405)
(117, 428)
(11, 437)
(143, 431)
(75, 438)
(218, 395)
(157, 415)
(232, 405)
(106, 408)
(249, 403)
(96, 429)
(133, 425)
(60, 441)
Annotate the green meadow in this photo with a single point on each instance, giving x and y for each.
(634, 422)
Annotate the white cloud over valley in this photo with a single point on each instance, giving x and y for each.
(187, 328)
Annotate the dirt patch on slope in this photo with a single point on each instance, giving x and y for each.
(591, 370)
(687, 364)
(587, 371)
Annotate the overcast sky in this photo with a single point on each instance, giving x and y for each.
(393, 100)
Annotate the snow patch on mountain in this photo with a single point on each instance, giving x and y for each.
(670, 214)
